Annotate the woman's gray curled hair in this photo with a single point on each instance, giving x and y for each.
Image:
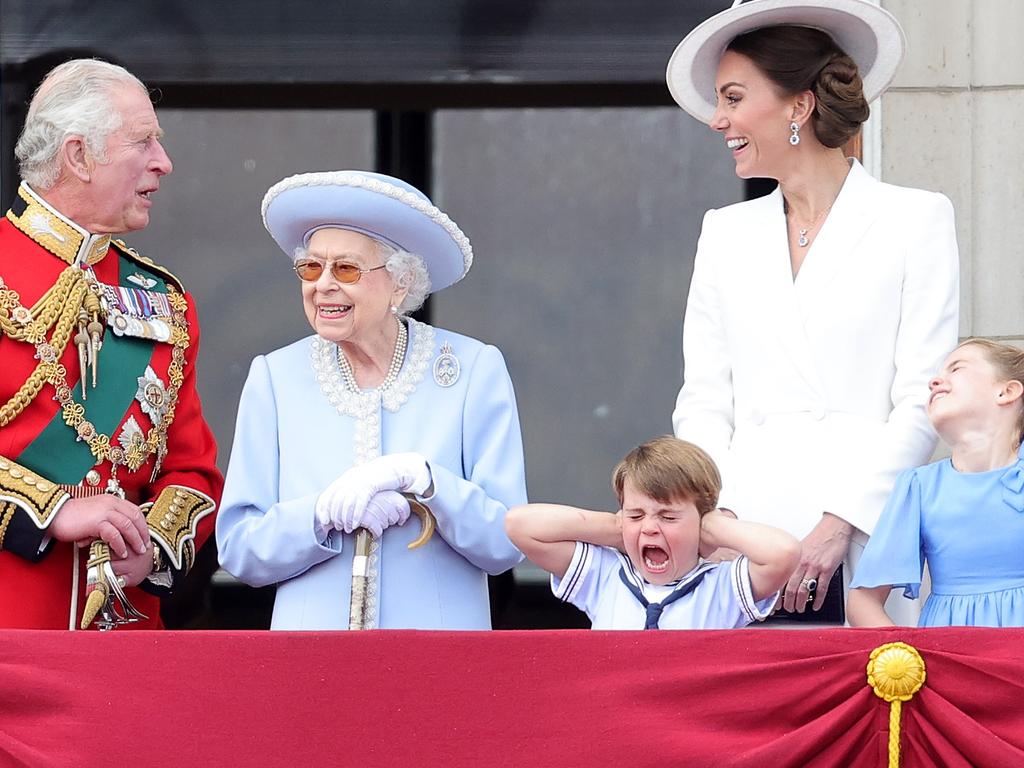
(409, 271)
(74, 99)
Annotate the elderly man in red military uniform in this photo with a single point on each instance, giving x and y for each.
(108, 481)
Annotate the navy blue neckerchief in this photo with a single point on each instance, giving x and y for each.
(654, 610)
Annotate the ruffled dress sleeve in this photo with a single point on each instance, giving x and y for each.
(894, 555)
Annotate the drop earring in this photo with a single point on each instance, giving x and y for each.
(794, 137)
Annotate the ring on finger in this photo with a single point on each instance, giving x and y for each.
(812, 586)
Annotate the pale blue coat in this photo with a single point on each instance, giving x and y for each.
(291, 442)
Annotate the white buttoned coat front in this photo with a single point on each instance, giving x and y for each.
(809, 393)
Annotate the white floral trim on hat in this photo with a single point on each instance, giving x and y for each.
(349, 179)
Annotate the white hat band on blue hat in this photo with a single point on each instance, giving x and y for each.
(373, 204)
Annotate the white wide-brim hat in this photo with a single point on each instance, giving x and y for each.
(869, 35)
(372, 204)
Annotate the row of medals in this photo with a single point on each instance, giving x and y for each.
(151, 392)
(153, 328)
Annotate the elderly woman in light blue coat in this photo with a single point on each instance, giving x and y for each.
(338, 430)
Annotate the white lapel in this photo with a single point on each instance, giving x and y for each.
(772, 275)
(845, 226)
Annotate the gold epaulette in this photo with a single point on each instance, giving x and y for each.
(148, 263)
(173, 520)
(36, 495)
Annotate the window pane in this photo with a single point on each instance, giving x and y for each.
(206, 228)
(584, 223)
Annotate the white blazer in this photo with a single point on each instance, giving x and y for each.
(810, 393)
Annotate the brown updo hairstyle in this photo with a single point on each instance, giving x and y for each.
(800, 59)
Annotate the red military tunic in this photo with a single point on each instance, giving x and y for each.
(43, 463)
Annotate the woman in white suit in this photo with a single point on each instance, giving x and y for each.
(816, 314)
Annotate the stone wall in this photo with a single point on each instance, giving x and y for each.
(953, 122)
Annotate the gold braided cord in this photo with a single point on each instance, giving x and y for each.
(896, 672)
(895, 709)
(65, 324)
(99, 444)
(61, 305)
(31, 325)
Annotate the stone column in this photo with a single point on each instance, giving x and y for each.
(954, 122)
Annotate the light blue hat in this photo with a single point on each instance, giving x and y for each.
(372, 204)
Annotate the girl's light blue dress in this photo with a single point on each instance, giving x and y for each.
(969, 527)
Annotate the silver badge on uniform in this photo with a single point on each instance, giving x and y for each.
(141, 280)
(131, 434)
(446, 366)
(152, 395)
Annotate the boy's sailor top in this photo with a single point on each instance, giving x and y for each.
(604, 584)
(97, 393)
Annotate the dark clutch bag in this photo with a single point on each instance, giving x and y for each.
(832, 612)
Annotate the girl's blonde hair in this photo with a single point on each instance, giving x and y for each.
(1009, 363)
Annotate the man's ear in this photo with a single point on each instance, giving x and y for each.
(77, 158)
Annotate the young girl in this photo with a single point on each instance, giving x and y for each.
(963, 515)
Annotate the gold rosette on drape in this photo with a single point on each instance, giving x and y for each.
(895, 673)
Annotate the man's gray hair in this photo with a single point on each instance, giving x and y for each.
(74, 99)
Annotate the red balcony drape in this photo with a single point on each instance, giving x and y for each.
(757, 697)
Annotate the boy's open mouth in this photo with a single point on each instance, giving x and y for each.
(655, 558)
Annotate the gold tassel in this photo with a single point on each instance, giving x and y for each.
(95, 328)
(93, 603)
(99, 555)
(84, 350)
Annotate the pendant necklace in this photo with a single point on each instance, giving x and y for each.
(802, 240)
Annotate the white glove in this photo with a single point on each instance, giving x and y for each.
(347, 498)
(384, 509)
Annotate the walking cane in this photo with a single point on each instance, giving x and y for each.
(357, 618)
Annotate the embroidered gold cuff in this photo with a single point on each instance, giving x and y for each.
(173, 519)
(28, 491)
(7, 510)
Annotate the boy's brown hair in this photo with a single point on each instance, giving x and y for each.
(668, 469)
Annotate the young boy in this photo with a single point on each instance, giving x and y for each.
(667, 489)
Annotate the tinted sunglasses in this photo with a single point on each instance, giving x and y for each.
(309, 270)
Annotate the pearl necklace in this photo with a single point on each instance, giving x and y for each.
(348, 377)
